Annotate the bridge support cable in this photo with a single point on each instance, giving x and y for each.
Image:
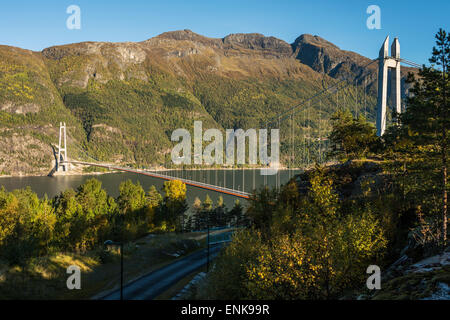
(233, 178)
(277, 175)
(243, 179)
(320, 132)
(304, 129)
(356, 99)
(303, 140)
(365, 93)
(309, 133)
(314, 97)
(237, 193)
(337, 99)
(254, 184)
(411, 63)
(265, 181)
(292, 147)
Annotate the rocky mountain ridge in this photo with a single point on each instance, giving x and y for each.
(122, 100)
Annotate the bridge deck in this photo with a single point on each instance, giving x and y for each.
(236, 193)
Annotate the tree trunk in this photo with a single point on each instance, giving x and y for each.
(444, 201)
(444, 145)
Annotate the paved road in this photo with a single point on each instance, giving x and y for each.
(152, 285)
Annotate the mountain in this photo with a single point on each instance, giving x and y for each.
(121, 101)
(325, 57)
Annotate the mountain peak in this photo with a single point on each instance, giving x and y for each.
(185, 34)
(259, 42)
(313, 40)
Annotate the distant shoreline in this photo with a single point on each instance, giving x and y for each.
(78, 173)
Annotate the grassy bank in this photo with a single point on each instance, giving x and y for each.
(45, 277)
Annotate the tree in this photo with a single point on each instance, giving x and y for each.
(27, 225)
(132, 199)
(197, 203)
(230, 273)
(154, 198)
(43, 225)
(326, 252)
(174, 205)
(351, 137)
(8, 214)
(67, 210)
(96, 207)
(426, 121)
(262, 205)
(208, 203)
(131, 202)
(236, 214)
(197, 215)
(153, 203)
(175, 190)
(219, 216)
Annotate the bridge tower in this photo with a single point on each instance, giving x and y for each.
(62, 150)
(385, 63)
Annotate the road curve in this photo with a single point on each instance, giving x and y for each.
(155, 283)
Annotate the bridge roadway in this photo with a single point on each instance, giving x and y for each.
(236, 193)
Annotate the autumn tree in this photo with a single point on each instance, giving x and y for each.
(325, 252)
(27, 225)
(174, 205)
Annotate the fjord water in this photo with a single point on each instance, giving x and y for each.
(52, 186)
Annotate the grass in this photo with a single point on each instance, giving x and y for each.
(413, 286)
(45, 277)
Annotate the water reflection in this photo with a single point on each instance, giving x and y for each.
(238, 179)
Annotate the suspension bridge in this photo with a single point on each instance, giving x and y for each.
(305, 124)
(155, 174)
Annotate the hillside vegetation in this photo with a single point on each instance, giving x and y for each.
(121, 101)
(385, 205)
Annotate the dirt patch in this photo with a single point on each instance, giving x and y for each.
(20, 108)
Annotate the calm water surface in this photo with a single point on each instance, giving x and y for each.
(235, 179)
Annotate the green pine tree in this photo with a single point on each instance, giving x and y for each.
(426, 122)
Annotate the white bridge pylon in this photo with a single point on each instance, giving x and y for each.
(386, 62)
(61, 160)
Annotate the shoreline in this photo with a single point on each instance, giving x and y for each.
(78, 173)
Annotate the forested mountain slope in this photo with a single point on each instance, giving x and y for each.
(121, 101)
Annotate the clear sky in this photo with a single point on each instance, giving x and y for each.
(37, 24)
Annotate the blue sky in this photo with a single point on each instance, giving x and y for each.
(38, 24)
